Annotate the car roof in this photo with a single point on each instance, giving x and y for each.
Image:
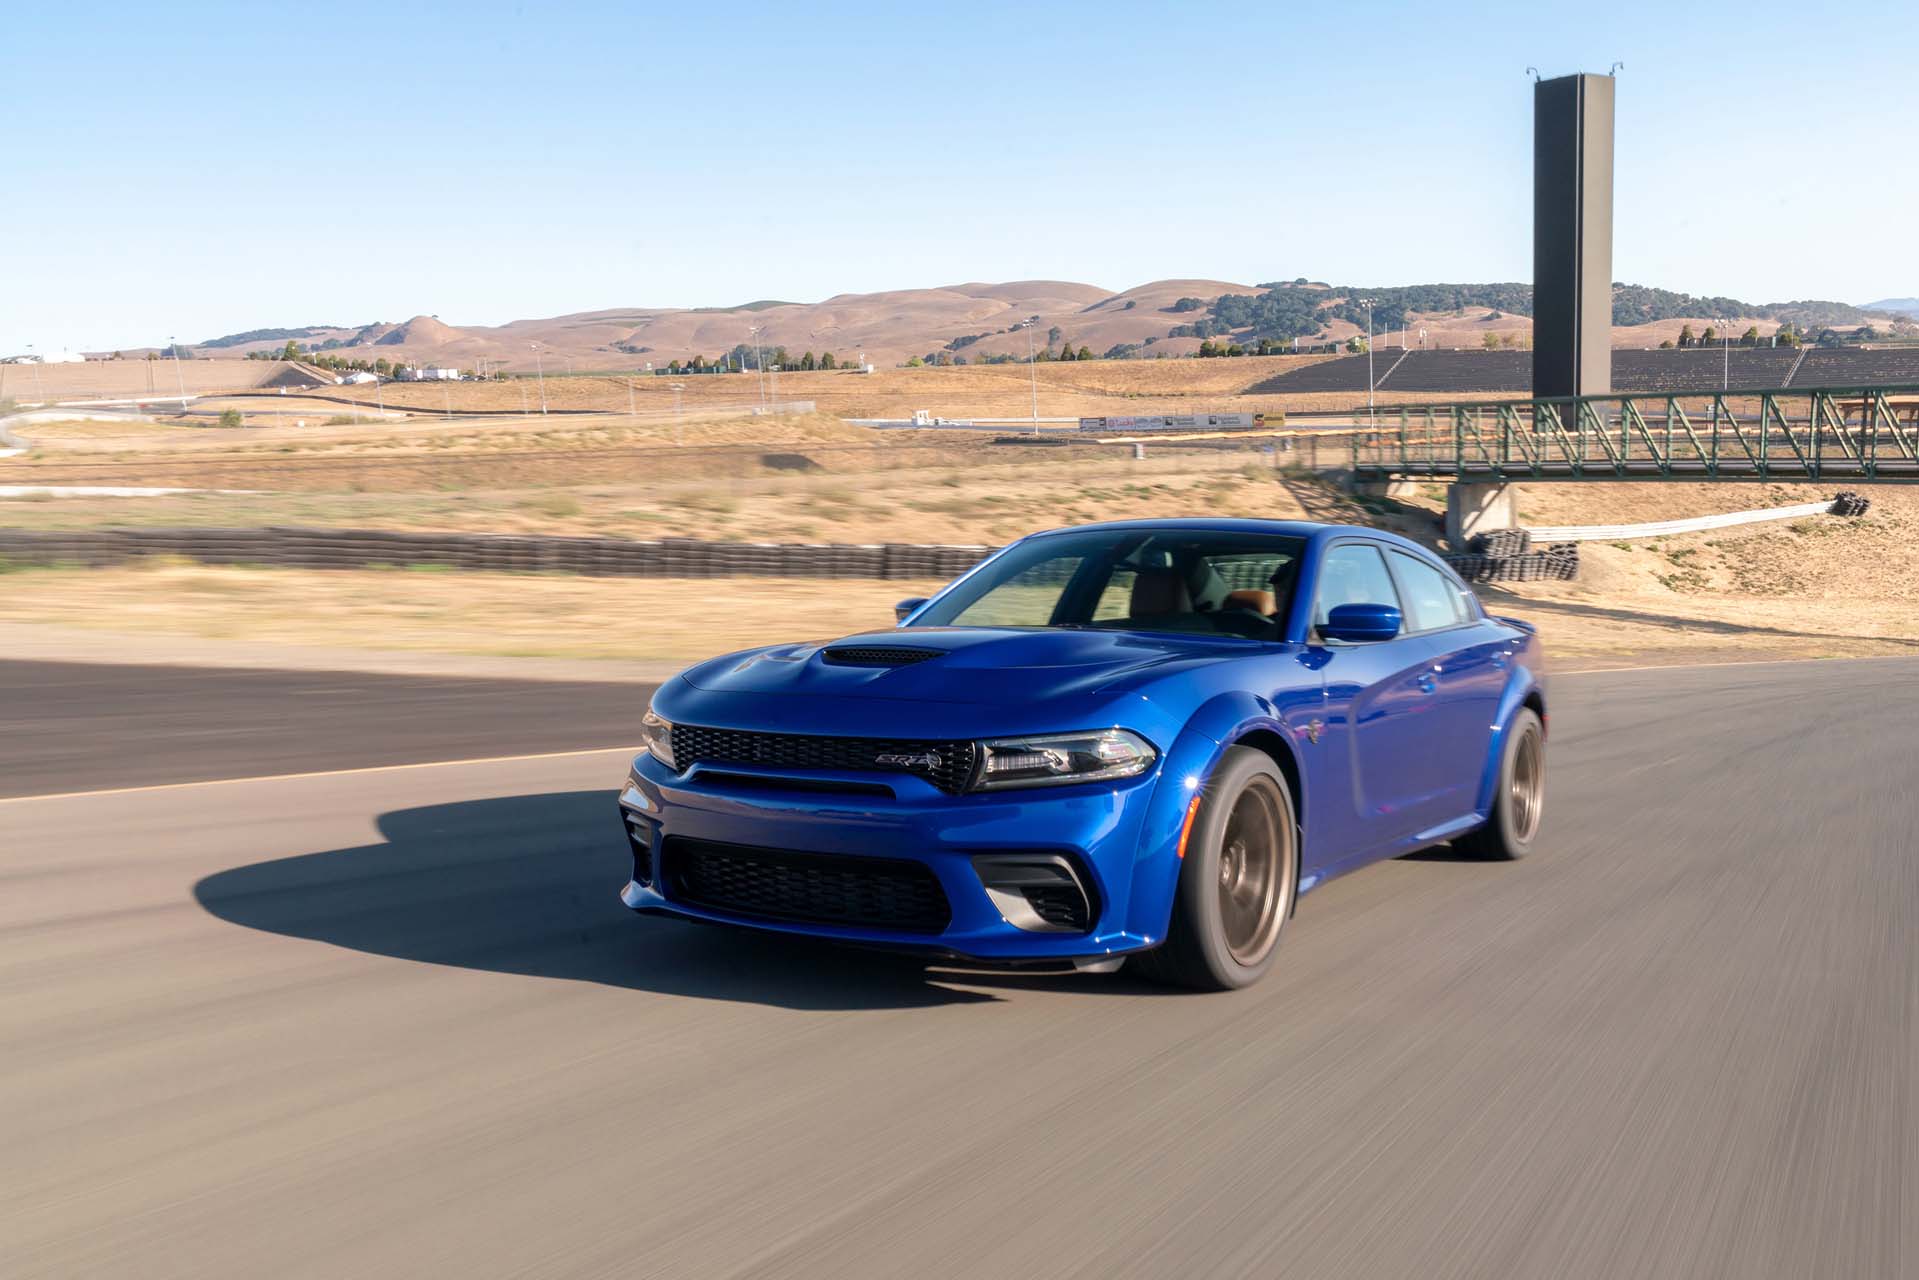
(1227, 524)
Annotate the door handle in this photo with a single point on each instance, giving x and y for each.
(1427, 683)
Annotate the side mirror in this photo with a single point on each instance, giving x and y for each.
(906, 607)
(1361, 623)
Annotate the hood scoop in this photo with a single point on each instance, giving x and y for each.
(877, 655)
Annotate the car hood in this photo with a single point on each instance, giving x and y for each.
(968, 665)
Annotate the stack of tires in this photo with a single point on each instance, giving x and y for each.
(1507, 555)
(1851, 504)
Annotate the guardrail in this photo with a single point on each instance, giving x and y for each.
(307, 548)
(1867, 434)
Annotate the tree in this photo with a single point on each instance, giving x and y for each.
(1750, 338)
(828, 362)
(807, 363)
(1186, 304)
(1685, 336)
(231, 418)
(1207, 350)
(916, 363)
(1235, 350)
(1666, 345)
(1356, 345)
(779, 357)
(1710, 336)
(382, 367)
(1085, 352)
(292, 351)
(1489, 340)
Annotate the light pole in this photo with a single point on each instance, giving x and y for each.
(1725, 353)
(759, 362)
(180, 379)
(539, 365)
(1368, 304)
(1032, 369)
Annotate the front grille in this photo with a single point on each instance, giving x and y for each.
(890, 655)
(816, 888)
(948, 765)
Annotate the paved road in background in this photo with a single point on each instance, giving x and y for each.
(70, 726)
(395, 1023)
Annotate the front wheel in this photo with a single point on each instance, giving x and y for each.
(1237, 882)
(1519, 794)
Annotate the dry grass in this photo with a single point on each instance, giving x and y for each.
(493, 614)
(1066, 389)
(874, 499)
(682, 621)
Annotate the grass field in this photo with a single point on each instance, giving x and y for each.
(1817, 586)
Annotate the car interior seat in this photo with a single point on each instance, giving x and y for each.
(1158, 593)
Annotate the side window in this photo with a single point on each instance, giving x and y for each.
(1352, 573)
(1468, 602)
(1431, 599)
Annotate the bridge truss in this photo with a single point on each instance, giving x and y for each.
(1801, 434)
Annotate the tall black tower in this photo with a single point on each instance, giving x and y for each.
(1572, 236)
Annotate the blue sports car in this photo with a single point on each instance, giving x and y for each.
(1140, 740)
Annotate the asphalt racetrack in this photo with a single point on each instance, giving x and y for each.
(394, 1021)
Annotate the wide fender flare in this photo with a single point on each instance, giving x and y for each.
(1519, 686)
(1193, 758)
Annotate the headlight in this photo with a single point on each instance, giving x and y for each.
(1057, 758)
(657, 733)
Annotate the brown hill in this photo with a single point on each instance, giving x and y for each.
(425, 332)
(971, 320)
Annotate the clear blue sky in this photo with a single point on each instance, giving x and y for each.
(198, 168)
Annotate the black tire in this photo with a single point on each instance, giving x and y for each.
(1235, 894)
(1519, 795)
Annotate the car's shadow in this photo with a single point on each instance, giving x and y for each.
(530, 885)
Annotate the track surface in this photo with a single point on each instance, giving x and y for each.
(78, 726)
(395, 1023)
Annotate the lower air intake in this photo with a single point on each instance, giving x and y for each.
(815, 888)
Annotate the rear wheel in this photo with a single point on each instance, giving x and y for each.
(1237, 882)
(1519, 796)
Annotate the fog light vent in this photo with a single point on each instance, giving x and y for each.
(1038, 892)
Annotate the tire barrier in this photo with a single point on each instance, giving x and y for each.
(300, 548)
(1558, 562)
(1501, 543)
(1851, 504)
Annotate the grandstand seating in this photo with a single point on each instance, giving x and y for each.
(1464, 373)
(1850, 367)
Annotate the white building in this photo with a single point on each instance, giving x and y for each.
(358, 379)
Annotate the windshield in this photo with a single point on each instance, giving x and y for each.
(1178, 580)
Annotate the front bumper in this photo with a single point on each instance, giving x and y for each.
(1115, 835)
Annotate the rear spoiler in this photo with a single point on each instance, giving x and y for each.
(1521, 623)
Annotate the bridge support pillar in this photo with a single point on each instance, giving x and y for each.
(1478, 508)
(1386, 488)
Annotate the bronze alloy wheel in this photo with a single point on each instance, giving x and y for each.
(1526, 793)
(1256, 868)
